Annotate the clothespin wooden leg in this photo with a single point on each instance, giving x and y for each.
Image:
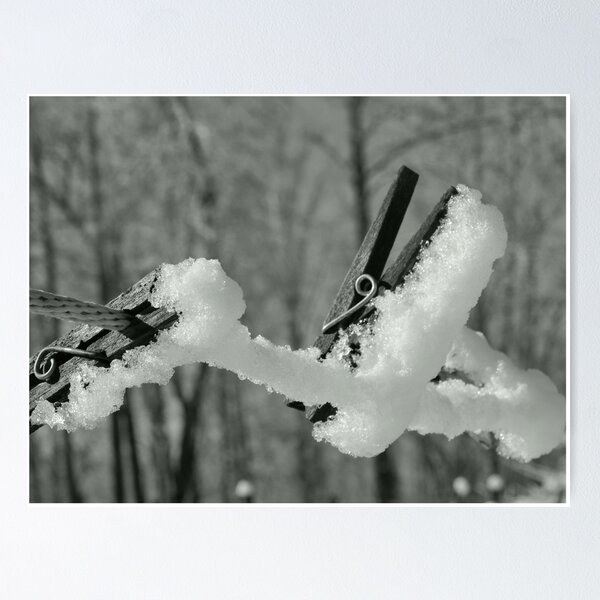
(395, 276)
(369, 260)
(143, 326)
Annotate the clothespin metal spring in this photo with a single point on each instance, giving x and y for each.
(368, 294)
(43, 373)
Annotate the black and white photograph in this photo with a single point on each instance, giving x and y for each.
(308, 293)
(298, 299)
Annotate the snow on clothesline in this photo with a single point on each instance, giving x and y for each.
(420, 328)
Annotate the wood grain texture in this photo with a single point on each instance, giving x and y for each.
(372, 254)
(148, 322)
(370, 258)
(395, 276)
(403, 265)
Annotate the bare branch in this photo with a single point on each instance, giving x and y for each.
(391, 153)
(58, 198)
(319, 140)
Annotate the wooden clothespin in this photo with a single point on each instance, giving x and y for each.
(126, 322)
(132, 321)
(364, 278)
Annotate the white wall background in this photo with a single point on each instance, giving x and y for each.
(338, 46)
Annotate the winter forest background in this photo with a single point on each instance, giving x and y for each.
(281, 191)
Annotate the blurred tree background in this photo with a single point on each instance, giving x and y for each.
(281, 190)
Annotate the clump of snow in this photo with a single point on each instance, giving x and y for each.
(417, 326)
(418, 329)
(522, 408)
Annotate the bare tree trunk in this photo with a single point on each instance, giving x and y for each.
(161, 459)
(118, 477)
(243, 455)
(35, 481)
(51, 283)
(187, 482)
(309, 463)
(56, 478)
(511, 216)
(74, 492)
(226, 451)
(386, 477)
(479, 315)
(104, 283)
(356, 114)
(136, 471)
(188, 486)
(386, 474)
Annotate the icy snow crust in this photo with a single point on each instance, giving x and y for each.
(420, 327)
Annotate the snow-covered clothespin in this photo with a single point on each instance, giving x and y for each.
(126, 322)
(366, 277)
